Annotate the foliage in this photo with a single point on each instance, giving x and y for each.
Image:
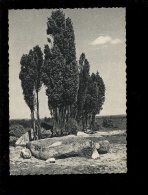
(16, 131)
(30, 76)
(12, 140)
(107, 123)
(91, 94)
(27, 80)
(101, 88)
(23, 122)
(74, 96)
(53, 70)
(72, 126)
(95, 127)
(57, 131)
(60, 69)
(83, 85)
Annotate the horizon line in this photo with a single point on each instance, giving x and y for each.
(49, 117)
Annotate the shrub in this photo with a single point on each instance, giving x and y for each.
(72, 126)
(17, 130)
(23, 122)
(107, 123)
(95, 127)
(12, 140)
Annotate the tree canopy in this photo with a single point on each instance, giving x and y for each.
(73, 93)
(60, 70)
(30, 76)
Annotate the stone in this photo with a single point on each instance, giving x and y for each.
(25, 153)
(23, 140)
(82, 134)
(95, 154)
(90, 132)
(69, 147)
(104, 147)
(45, 133)
(97, 145)
(50, 160)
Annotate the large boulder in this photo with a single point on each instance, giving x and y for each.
(103, 147)
(61, 147)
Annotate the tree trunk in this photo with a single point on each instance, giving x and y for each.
(56, 117)
(64, 115)
(83, 122)
(68, 112)
(93, 121)
(38, 117)
(35, 128)
(86, 120)
(33, 124)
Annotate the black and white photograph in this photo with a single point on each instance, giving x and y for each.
(67, 91)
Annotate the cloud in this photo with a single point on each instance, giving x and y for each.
(101, 40)
(116, 41)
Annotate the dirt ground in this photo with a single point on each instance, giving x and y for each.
(112, 162)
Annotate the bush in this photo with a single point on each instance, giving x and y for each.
(95, 127)
(17, 130)
(12, 140)
(107, 123)
(23, 122)
(72, 126)
(57, 132)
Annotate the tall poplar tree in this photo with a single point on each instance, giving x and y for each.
(101, 88)
(30, 76)
(97, 93)
(62, 56)
(71, 77)
(83, 86)
(91, 94)
(52, 77)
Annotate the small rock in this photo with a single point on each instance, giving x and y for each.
(25, 153)
(80, 133)
(50, 160)
(97, 145)
(95, 155)
(104, 147)
(89, 132)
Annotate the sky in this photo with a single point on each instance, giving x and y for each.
(100, 33)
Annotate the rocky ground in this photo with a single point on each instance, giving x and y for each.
(112, 162)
